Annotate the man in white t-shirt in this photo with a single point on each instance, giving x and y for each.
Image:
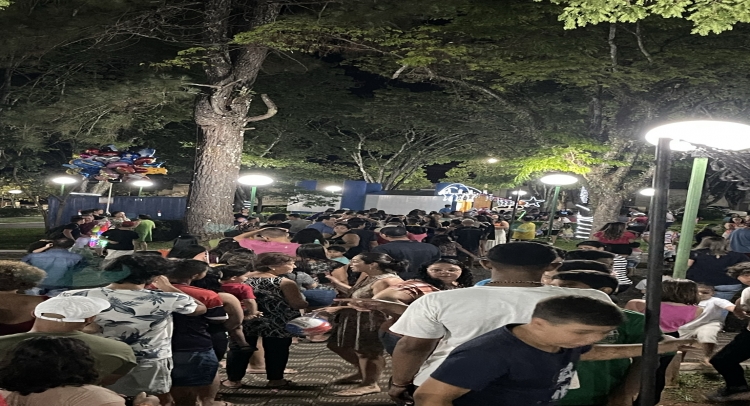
(442, 321)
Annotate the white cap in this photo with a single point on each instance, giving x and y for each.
(73, 309)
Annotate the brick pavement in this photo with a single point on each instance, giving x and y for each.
(317, 367)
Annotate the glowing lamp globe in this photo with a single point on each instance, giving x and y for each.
(559, 179)
(333, 189)
(255, 180)
(15, 192)
(492, 160)
(518, 193)
(64, 180)
(715, 134)
(142, 183)
(647, 191)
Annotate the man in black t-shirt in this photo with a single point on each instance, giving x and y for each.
(119, 242)
(367, 238)
(470, 237)
(72, 230)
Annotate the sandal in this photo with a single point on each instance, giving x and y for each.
(263, 371)
(361, 391)
(230, 385)
(286, 385)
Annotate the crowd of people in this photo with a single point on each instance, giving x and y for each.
(543, 329)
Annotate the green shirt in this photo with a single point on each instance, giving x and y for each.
(599, 378)
(144, 230)
(112, 357)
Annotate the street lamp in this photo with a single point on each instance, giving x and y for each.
(493, 160)
(141, 184)
(13, 194)
(681, 136)
(64, 180)
(254, 181)
(557, 180)
(333, 188)
(648, 192)
(518, 193)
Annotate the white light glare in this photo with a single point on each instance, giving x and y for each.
(559, 179)
(142, 183)
(649, 191)
(15, 192)
(64, 180)
(715, 134)
(255, 180)
(333, 188)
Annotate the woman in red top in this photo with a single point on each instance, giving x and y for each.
(614, 234)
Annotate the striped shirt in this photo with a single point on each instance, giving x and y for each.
(621, 270)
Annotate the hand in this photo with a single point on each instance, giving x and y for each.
(145, 400)
(162, 283)
(400, 395)
(740, 312)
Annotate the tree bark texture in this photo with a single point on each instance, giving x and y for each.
(221, 113)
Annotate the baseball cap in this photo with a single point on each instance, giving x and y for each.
(127, 224)
(73, 309)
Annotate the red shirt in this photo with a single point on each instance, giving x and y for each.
(239, 290)
(624, 239)
(191, 332)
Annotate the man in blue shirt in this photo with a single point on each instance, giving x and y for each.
(60, 265)
(324, 224)
(446, 210)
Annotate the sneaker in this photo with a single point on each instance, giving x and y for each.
(729, 395)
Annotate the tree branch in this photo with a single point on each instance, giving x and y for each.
(272, 110)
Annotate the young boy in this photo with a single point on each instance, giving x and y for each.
(336, 253)
(526, 231)
(232, 282)
(727, 360)
(707, 326)
(529, 364)
(604, 382)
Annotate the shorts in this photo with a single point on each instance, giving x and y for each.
(705, 334)
(152, 376)
(194, 368)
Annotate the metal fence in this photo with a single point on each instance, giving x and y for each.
(158, 207)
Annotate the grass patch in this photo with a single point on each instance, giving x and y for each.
(19, 238)
(15, 220)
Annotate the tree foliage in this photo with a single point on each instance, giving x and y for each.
(707, 16)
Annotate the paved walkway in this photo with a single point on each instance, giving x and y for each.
(317, 367)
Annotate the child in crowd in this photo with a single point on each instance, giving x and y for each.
(566, 233)
(679, 306)
(604, 382)
(515, 364)
(233, 282)
(727, 360)
(643, 284)
(621, 265)
(526, 231)
(336, 253)
(707, 326)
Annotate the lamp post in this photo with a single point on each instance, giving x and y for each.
(684, 135)
(62, 181)
(517, 193)
(141, 184)
(13, 194)
(680, 136)
(254, 181)
(557, 180)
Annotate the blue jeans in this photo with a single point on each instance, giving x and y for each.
(727, 291)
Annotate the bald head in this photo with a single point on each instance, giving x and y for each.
(275, 234)
(468, 223)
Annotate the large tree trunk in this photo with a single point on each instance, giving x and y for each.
(606, 209)
(221, 114)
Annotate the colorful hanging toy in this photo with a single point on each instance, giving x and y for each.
(107, 163)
